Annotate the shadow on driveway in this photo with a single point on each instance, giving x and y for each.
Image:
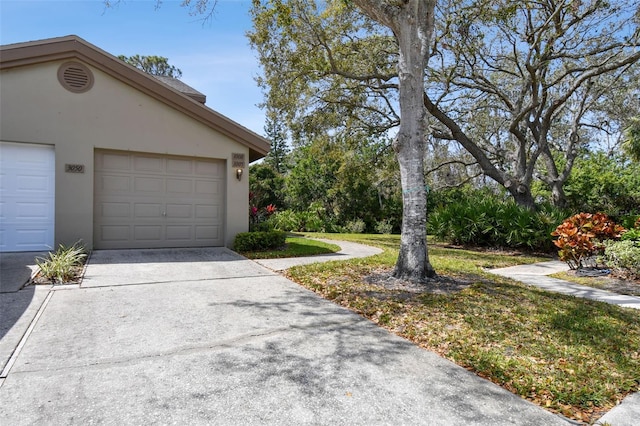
(257, 350)
(15, 271)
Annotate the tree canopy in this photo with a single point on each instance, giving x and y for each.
(155, 65)
(518, 85)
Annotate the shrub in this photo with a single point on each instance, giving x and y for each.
(484, 220)
(632, 234)
(287, 220)
(314, 219)
(62, 265)
(256, 241)
(258, 216)
(580, 237)
(623, 257)
(355, 226)
(384, 227)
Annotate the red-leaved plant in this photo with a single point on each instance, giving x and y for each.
(580, 237)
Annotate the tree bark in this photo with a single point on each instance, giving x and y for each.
(522, 196)
(412, 23)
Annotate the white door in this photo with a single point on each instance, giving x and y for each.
(154, 201)
(27, 197)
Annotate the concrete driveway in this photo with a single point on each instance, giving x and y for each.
(205, 336)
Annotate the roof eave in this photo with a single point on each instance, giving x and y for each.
(62, 48)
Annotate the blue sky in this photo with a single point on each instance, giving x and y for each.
(215, 57)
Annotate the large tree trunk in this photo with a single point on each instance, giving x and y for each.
(412, 23)
(413, 261)
(558, 197)
(522, 196)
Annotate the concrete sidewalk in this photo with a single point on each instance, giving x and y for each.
(232, 343)
(348, 250)
(536, 275)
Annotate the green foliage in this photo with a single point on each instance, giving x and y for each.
(481, 219)
(633, 231)
(255, 241)
(580, 238)
(348, 177)
(61, 266)
(314, 219)
(276, 132)
(155, 65)
(631, 143)
(312, 176)
(356, 226)
(295, 247)
(609, 184)
(623, 257)
(266, 186)
(384, 227)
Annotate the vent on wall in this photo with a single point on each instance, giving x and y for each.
(75, 77)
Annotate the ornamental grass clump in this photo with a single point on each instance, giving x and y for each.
(62, 265)
(581, 237)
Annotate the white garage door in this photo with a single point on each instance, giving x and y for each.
(153, 201)
(27, 197)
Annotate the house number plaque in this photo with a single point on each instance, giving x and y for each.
(74, 168)
(238, 160)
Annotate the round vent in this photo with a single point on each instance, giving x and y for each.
(75, 77)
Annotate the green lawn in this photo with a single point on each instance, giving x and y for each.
(295, 247)
(569, 355)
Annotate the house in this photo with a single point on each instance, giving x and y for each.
(93, 149)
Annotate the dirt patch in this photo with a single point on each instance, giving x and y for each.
(438, 285)
(39, 279)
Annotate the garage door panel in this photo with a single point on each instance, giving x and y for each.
(111, 184)
(153, 185)
(204, 211)
(182, 211)
(180, 186)
(205, 168)
(179, 167)
(207, 188)
(148, 233)
(33, 211)
(144, 211)
(204, 232)
(179, 233)
(114, 233)
(27, 196)
(174, 202)
(112, 161)
(148, 164)
(114, 210)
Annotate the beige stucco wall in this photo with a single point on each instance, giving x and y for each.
(35, 108)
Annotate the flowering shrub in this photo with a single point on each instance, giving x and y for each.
(257, 215)
(580, 238)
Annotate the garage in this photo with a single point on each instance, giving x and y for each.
(139, 162)
(144, 200)
(27, 197)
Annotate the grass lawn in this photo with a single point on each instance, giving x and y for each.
(569, 355)
(295, 247)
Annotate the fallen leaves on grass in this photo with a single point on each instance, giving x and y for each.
(571, 356)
